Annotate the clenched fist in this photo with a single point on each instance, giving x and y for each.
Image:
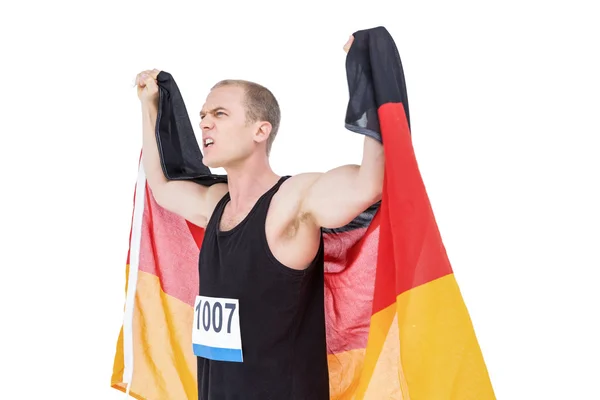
(147, 88)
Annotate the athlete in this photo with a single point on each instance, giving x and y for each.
(263, 247)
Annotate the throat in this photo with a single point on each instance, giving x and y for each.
(242, 202)
(230, 218)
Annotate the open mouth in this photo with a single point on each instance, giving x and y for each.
(208, 142)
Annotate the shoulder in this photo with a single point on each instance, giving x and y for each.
(292, 235)
(287, 203)
(213, 195)
(294, 190)
(216, 192)
(299, 185)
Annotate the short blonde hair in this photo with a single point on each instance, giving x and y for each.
(261, 105)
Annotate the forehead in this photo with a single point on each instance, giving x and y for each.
(229, 96)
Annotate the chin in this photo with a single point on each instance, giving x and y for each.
(214, 162)
(210, 163)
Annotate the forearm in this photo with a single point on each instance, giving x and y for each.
(150, 157)
(184, 198)
(370, 172)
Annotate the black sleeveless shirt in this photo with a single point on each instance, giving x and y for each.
(281, 311)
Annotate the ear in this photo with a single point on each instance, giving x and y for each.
(262, 132)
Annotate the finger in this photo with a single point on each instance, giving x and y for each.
(149, 82)
(348, 43)
(145, 78)
(136, 80)
(140, 78)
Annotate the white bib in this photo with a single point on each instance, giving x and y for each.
(216, 330)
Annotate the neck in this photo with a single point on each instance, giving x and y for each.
(248, 181)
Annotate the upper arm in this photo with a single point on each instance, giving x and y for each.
(190, 200)
(333, 199)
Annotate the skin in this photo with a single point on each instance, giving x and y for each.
(303, 204)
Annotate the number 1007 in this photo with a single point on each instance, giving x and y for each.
(212, 315)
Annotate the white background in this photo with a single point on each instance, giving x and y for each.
(504, 101)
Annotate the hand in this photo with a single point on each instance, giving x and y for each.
(348, 43)
(147, 88)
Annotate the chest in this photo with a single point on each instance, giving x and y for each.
(230, 219)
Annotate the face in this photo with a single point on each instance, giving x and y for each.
(228, 139)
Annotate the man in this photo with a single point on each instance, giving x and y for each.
(263, 249)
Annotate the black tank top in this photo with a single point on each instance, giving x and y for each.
(281, 311)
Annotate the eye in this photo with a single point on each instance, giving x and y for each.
(220, 113)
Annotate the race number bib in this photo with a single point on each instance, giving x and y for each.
(216, 330)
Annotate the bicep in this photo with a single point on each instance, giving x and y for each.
(335, 198)
(190, 200)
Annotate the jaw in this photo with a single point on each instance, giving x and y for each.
(210, 162)
(221, 158)
(208, 157)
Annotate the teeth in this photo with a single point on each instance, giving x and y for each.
(208, 141)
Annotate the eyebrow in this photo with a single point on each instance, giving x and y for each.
(214, 110)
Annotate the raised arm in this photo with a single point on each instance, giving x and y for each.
(191, 201)
(333, 199)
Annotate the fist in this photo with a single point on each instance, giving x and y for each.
(147, 88)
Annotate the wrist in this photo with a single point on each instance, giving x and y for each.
(149, 106)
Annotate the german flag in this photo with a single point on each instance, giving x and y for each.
(397, 325)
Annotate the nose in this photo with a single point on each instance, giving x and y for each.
(206, 123)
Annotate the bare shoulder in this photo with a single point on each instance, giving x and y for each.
(194, 202)
(216, 192)
(293, 237)
(296, 186)
(304, 180)
(213, 195)
(288, 198)
(286, 207)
